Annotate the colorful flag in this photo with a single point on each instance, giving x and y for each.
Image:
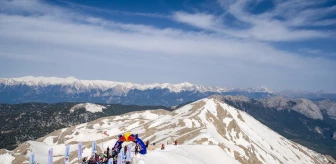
(80, 150)
(110, 161)
(67, 154)
(119, 159)
(122, 152)
(32, 158)
(50, 156)
(129, 153)
(94, 147)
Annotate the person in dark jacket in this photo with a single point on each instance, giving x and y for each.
(84, 161)
(136, 151)
(108, 151)
(91, 161)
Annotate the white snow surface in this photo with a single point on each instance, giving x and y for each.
(207, 131)
(93, 108)
(120, 86)
(6, 158)
(186, 154)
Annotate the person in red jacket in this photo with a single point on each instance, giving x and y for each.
(175, 142)
(147, 144)
(162, 147)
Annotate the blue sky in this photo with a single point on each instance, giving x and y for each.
(283, 45)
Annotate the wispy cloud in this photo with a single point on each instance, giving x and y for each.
(200, 20)
(285, 22)
(86, 44)
(121, 12)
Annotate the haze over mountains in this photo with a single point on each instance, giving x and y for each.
(231, 133)
(52, 89)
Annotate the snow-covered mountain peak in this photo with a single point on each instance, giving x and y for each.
(263, 89)
(205, 122)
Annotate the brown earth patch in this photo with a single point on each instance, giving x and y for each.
(243, 160)
(2, 151)
(20, 159)
(200, 141)
(180, 123)
(196, 106)
(22, 148)
(240, 117)
(253, 159)
(234, 126)
(187, 134)
(61, 138)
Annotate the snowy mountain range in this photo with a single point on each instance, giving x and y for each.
(53, 89)
(124, 87)
(208, 131)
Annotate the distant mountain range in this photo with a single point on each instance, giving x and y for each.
(53, 90)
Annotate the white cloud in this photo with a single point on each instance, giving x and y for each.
(137, 52)
(200, 20)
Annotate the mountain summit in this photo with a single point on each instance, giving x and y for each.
(205, 122)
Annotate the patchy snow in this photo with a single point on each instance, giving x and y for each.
(188, 123)
(319, 130)
(198, 122)
(49, 140)
(93, 108)
(6, 158)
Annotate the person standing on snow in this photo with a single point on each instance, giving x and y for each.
(136, 151)
(175, 142)
(162, 147)
(91, 161)
(147, 144)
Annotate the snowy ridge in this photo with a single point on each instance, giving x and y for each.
(221, 129)
(125, 86)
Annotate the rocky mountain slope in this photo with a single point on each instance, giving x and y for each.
(300, 120)
(329, 107)
(208, 121)
(22, 122)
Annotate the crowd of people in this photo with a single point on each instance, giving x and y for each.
(107, 155)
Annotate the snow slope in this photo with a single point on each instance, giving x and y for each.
(207, 124)
(185, 154)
